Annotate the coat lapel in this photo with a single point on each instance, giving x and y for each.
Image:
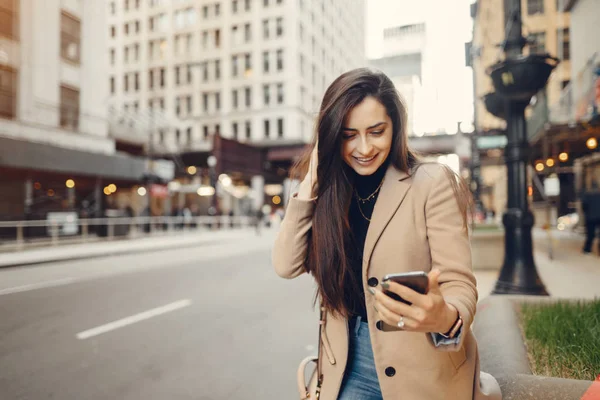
(392, 193)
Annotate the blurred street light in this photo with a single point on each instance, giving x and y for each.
(206, 191)
(563, 157)
(70, 183)
(112, 187)
(550, 162)
(192, 170)
(539, 166)
(211, 161)
(225, 180)
(591, 143)
(141, 191)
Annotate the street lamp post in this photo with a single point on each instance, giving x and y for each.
(516, 80)
(212, 173)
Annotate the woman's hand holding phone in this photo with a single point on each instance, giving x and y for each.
(426, 313)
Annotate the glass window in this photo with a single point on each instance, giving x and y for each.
(248, 63)
(265, 62)
(234, 130)
(189, 104)
(280, 127)
(218, 101)
(266, 94)
(234, 65)
(535, 7)
(267, 128)
(279, 26)
(537, 43)
(69, 108)
(188, 134)
(265, 28)
(248, 96)
(279, 60)
(234, 99)
(217, 69)
(151, 79)
(247, 33)
(248, 130)
(563, 40)
(205, 101)
(70, 38)
(247, 5)
(217, 9)
(205, 131)
(234, 6)
(280, 93)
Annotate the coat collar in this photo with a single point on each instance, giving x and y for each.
(395, 185)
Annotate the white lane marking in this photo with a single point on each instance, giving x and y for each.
(39, 285)
(111, 326)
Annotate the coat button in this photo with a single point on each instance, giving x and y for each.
(390, 371)
(379, 325)
(373, 282)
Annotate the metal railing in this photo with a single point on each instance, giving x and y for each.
(17, 235)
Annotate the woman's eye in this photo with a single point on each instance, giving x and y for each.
(377, 132)
(346, 137)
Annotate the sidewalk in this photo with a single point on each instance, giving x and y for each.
(569, 274)
(122, 246)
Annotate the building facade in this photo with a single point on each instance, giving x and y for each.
(249, 71)
(55, 150)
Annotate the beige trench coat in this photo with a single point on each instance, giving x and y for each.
(416, 225)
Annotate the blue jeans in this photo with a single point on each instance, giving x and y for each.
(360, 379)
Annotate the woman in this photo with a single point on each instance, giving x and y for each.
(367, 208)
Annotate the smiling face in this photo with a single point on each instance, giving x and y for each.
(367, 136)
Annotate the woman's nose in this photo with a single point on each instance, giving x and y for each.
(364, 147)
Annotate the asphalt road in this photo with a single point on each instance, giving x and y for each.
(212, 322)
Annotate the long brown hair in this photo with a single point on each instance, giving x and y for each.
(330, 239)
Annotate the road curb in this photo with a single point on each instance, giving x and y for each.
(503, 353)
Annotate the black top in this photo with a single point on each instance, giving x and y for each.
(359, 225)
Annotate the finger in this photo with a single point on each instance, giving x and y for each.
(405, 292)
(392, 319)
(434, 280)
(395, 306)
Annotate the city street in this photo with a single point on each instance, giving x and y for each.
(212, 322)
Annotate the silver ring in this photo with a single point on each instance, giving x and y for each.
(401, 322)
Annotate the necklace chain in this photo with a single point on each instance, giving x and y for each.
(371, 195)
(363, 201)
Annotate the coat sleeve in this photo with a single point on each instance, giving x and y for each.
(450, 252)
(289, 251)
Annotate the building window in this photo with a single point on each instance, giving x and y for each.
(279, 60)
(235, 35)
(265, 28)
(205, 12)
(177, 135)
(280, 127)
(234, 65)
(234, 130)
(126, 83)
(248, 130)
(535, 7)
(217, 9)
(113, 31)
(234, 6)
(218, 129)
(217, 69)
(113, 8)
(112, 56)
(136, 52)
(564, 41)
(234, 99)
(8, 92)
(205, 131)
(126, 54)
(218, 101)
(189, 104)
(218, 38)
(151, 50)
(69, 108)
(136, 81)
(279, 27)
(112, 85)
(162, 77)
(126, 29)
(70, 38)
(266, 94)
(247, 33)
(151, 79)
(301, 65)
(266, 3)
(178, 106)
(189, 74)
(126, 5)
(248, 96)
(205, 101)
(188, 134)
(301, 32)
(248, 64)
(267, 126)
(537, 43)
(280, 93)
(205, 71)
(247, 5)
(177, 75)
(137, 26)
(265, 62)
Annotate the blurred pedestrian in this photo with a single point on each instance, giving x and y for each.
(372, 346)
(259, 220)
(590, 203)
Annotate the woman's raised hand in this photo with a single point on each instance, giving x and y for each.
(308, 187)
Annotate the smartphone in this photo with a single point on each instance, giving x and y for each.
(417, 281)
